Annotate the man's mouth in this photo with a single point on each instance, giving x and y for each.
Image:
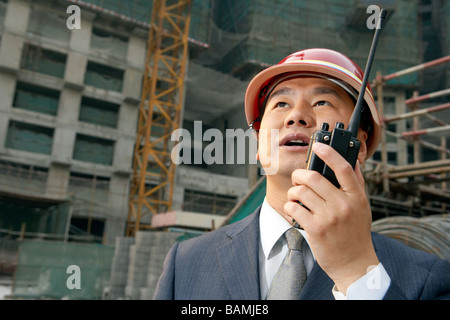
(295, 141)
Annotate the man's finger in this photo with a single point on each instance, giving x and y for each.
(299, 213)
(344, 172)
(313, 180)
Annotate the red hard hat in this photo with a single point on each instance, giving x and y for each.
(319, 62)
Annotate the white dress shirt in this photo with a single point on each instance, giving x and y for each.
(272, 251)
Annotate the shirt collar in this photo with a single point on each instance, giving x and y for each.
(272, 227)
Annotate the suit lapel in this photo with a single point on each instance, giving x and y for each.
(318, 285)
(238, 259)
(239, 265)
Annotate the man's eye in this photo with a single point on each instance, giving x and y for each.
(281, 105)
(322, 103)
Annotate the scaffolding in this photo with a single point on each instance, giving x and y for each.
(139, 12)
(418, 187)
(248, 35)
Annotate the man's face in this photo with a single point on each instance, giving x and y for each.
(296, 108)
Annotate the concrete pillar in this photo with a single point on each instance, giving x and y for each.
(75, 71)
(123, 155)
(135, 60)
(64, 138)
(17, 15)
(63, 142)
(69, 108)
(57, 180)
(10, 53)
(4, 122)
(128, 115)
(118, 203)
(59, 169)
(177, 198)
(124, 146)
(123, 151)
(137, 46)
(7, 88)
(15, 23)
(132, 83)
(80, 40)
(15, 26)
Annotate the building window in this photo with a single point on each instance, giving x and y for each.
(89, 181)
(93, 149)
(23, 171)
(29, 137)
(43, 24)
(36, 98)
(103, 77)
(99, 112)
(86, 229)
(108, 43)
(44, 61)
(205, 202)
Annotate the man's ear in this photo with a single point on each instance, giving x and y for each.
(256, 134)
(257, 150)
(362, 137)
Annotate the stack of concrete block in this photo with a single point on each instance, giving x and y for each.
(137, 269)
(162, 244)
(119, 269)
(143, 257)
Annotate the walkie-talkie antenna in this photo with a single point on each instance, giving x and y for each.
(356, 116)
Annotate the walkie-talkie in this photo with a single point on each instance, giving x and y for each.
(344, 141)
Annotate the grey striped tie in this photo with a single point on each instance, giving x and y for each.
(291, 274)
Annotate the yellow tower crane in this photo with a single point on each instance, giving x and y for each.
(160, 108)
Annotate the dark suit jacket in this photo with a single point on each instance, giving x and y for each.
(223, 265)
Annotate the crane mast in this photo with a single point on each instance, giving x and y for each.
(152, 180)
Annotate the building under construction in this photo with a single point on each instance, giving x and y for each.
(85, 143)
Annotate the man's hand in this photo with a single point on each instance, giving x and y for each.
(338, 222)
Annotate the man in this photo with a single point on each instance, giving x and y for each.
(341, 258)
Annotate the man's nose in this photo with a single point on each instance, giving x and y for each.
(300, 116)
